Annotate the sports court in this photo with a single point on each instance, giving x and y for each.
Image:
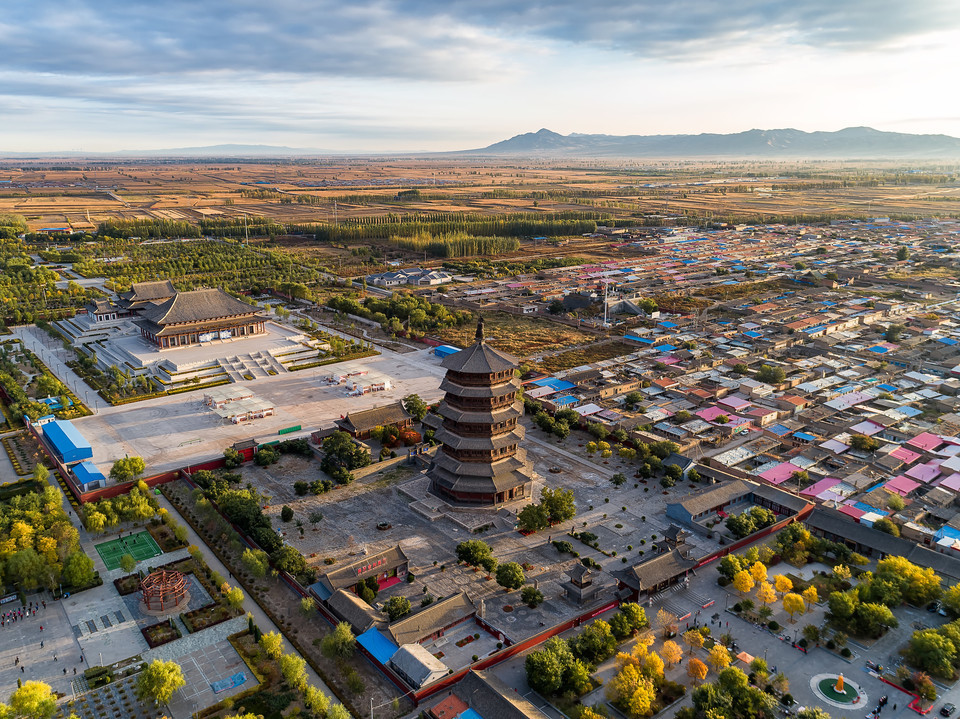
(140, 546)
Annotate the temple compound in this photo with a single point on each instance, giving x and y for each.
(480, 462)
(190, 318)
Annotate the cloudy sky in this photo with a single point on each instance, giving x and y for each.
(354, 75)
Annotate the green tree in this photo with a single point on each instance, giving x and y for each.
(619, 479)
(256, 562)
(127, 469)
(340, 643)
(78, 570)
(559, 503)
(533, 518)
(510, 575)
(903, 253)
(128, 563)
(594, 643)
(931, 652)
(770, 374)
(893, 333)
(885, 525)
(396, 607)
(233, 596)
(159, 681)
(415, 406)
(531, 596)
(294, 670)
(475, 552)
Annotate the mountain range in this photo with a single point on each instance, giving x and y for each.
(852, 143)
(849, 143)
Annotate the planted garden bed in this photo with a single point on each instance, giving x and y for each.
(161, 633)
(127, 585)
(207, 616)
(164, 537)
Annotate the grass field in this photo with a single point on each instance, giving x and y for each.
(140, 546)
(585, 355)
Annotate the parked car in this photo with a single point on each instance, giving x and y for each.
(947, 710)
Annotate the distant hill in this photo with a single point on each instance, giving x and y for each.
(849, 143)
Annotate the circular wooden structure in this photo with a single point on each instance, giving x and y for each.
(163, 590)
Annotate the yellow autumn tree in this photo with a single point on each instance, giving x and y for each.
(666, 621)
(719, 657)
(810, 595)
(632, 691)
(758, 572)
(696, 670)
(793, 604)
(672, 653)
(782, 583)
(765, 593)
(653, 666)
(743, 582)
(693, 639)
(22, 534)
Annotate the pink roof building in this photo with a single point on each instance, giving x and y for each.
(822, 486)
(901, 485)
(925, 441)
(779, 474)
(851, 511)
(710, 414)
(905, 455)
(924, 472)
(735, 402)
(867, 427)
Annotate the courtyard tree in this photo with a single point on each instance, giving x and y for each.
(127, 469)
(619, 479)
(810, 595)
(886, 525)
(903, 253)
(256, 562)
(811, 633)
(632, 692)
(476, 553)
(693, 639)
(340, 643)
(533, 518)
(338, 711)
(32, 700)
(671, 652)
(758, 572)
(272, 644)
(813, 713)
(415, 406)
(559, 503)
(294, 670)
(793, 604)
(932, 652)
(696, 670)
(307, 606)
(78, 570)
(765, 593)
(666, 621)
(863, 443)
(341, 455)
(719, 657)
(743, 582)
(893, 333)
(510, 575)
(594, 643)
(128, 563)
(782, 583)
(531, 596)
(159, 681)
(396, 607)
(233, 596)
(895, 502)
(769, 374)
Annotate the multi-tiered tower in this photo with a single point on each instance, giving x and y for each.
(480, 461)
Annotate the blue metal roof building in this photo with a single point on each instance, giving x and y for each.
(445, 350)
(87, 474)
(67, 442)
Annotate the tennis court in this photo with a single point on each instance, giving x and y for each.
(140, 546)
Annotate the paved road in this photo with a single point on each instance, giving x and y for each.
(249, 605)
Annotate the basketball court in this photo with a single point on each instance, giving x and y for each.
(140, 546)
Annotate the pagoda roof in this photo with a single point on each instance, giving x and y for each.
(480, 416)
(197, 306)
(498, 389)
(479, 358)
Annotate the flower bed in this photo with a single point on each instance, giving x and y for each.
(127, 585)
(207, 616)
(164, 537)
(160, 633)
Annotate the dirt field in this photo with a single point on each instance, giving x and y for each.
(519, 335)
(82, 194)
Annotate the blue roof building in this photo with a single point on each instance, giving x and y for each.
(67, 442)
(88, 475)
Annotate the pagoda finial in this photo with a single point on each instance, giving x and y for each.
(480, 329)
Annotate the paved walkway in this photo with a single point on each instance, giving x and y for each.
(249, 605)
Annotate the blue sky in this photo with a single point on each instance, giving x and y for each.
(405, 75)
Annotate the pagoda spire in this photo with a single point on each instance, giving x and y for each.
(480, 329)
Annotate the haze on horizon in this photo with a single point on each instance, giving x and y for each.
(433, 75)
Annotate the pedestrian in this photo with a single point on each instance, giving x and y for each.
(17, 661)
(21, 670)
(74, 670)
(894, 707)
(41, 644)
(64, 671)
(54, 657)
(44, 603)
(41, 627)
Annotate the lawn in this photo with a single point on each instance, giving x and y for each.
(586, 355)
(140, 546)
